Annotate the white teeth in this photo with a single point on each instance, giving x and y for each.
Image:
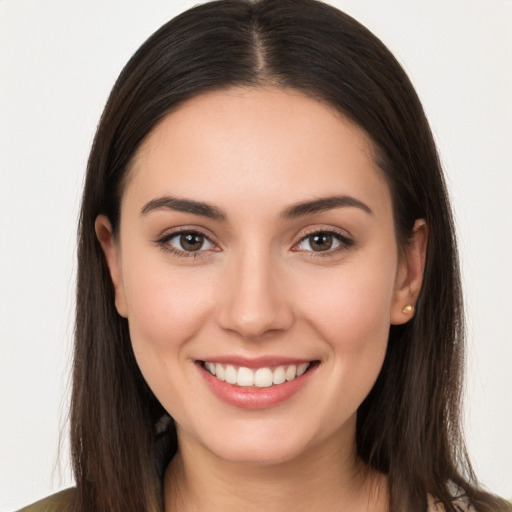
(279, 375)
(302, 368)
(219, 371)
(245, 377)
(230, 375)
(261, 378)
(291, 372)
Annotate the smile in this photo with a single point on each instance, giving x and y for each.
(257, 383)
(258, 377)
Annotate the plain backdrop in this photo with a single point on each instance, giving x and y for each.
(58, 61)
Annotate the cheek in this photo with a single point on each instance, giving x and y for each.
(165, 307)
(353, 306)
(351, 317)
(350, 312)
(165, 311)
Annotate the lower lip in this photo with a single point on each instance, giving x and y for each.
(253, 397)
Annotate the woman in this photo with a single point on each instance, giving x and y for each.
(262, 258)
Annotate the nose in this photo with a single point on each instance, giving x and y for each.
(253, 300)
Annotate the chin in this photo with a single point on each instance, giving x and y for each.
(261, 442)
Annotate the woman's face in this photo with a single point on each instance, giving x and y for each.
(257, 241)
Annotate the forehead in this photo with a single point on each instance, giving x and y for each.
(254, 143)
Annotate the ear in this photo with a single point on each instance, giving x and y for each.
(410, 275)
(112, 256)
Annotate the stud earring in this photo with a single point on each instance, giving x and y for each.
(408, 309)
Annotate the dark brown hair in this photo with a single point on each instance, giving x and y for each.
(409, 425)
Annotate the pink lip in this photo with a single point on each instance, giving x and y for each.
(253, 397)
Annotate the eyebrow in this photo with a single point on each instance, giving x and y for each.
(184, 205)
(297, 210)
(323, 204)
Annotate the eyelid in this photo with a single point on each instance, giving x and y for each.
(342, 236)
(163, 241)
(345, 239)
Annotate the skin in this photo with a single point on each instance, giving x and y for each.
(256, 288)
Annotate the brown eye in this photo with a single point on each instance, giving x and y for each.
(324, 241)
(321, 241)
(191, 241)
(188, 241)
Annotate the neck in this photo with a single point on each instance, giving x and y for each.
(328, 478)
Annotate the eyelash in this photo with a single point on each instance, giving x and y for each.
(345, 243)
(165, 245)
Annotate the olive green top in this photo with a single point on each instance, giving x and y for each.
(63, 502)
(60, 502)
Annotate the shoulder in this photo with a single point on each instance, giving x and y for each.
(59, 502)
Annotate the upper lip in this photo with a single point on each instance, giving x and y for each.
(256, 362)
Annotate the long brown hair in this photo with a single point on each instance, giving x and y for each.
(409, 425)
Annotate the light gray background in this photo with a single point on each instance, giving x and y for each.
(58, 61)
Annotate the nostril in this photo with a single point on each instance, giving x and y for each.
(255, 320)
